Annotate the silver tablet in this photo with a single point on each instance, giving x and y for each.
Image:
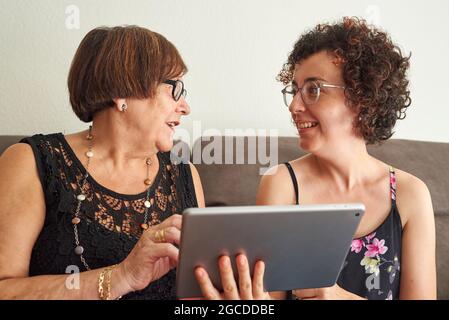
(303, 246)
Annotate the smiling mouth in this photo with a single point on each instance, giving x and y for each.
(306, 124)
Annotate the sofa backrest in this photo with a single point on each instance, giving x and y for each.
(426, 160)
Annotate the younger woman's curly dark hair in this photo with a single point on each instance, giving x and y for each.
(374, 72)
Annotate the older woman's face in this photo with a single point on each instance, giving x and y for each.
(329, 120)
(156, 118)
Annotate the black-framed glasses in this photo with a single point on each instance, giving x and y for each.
(310, 92)
(178, 89)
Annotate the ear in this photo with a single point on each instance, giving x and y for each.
(119, 103)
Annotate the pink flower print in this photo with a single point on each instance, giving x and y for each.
(370, 236)
(376, 248)
(393, 186)
(393, 181)
(357, 245)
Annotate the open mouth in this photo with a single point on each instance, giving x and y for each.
(306, 124)
(172, 124)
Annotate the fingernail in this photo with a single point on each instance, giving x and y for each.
(225, 260)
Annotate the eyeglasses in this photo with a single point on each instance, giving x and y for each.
(310, 92)
(178, 89)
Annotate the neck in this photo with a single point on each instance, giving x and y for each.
(115, 140)
(346, 165)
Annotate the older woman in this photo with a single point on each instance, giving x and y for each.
(346, 86)
(105, 201)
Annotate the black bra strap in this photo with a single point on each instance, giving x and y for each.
(294, 181)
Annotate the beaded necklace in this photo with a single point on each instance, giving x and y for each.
(79, 249)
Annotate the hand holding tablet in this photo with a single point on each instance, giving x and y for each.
(301, 246)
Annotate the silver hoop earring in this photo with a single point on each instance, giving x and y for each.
(124, 107)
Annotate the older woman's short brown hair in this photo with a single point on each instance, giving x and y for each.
(374, 72)
(119, 62)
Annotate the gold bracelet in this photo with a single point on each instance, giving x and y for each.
(105, 293)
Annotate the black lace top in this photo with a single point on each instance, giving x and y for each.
(110, 222)
(373, 264)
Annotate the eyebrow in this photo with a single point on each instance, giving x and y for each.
(309, 79)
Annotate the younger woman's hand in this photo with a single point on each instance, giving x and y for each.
(246, 288)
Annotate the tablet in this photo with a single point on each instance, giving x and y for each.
(303, 246)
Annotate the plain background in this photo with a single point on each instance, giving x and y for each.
(234, 50)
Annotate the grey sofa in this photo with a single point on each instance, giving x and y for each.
(236, 184)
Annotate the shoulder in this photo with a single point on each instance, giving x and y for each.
(42, 139)
(275, 175)
(17, 155)
(19, 171)
(277, 185)
(279, 174)
(410, 187)
(412, 196)
(20, 168)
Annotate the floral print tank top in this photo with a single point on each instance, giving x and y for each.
(372, 266)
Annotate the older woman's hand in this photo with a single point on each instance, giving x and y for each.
(331, 293)
(246, 288)
(153, 256)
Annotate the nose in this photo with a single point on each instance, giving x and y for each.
(183, 107)
(297, 105)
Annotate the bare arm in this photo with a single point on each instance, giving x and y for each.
(198, 186)
(418, 266)
(22, 216)
(56, 287)
(276, 188)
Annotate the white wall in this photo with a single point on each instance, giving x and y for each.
(233, 48)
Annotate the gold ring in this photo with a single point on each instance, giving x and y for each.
(159, 236)
(163, 236)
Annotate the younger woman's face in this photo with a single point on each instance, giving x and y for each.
(328, 121)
